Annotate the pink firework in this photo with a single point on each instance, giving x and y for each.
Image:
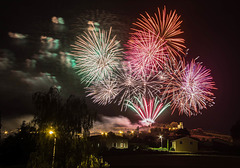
(148, 110)
(145, 53)
(166, 27)
(190, 88)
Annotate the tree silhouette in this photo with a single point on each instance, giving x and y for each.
(47, 107)
(68, 120)
(16, 148)
(77, 116)
(235, 133)
(0, 125)
(182, 132)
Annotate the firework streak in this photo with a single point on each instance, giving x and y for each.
(147, 110)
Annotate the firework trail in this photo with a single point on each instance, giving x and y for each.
(166, 27)
(145, 52)
(189, 88)
(148, 110)
(97, 55)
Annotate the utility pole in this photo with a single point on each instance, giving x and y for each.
(54, 150)
(168, 144)
(53, 133)
(0, 125)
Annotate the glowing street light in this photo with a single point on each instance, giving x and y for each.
(50, 132)
(161, 137)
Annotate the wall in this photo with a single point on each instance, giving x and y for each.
(117, 143)
(185, 144)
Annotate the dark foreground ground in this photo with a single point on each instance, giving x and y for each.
(173, 160)
(166, 161)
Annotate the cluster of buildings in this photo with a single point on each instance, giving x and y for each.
(175, 137)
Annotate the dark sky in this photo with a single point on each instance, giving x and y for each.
(211, 31)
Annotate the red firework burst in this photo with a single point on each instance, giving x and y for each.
(166, 27)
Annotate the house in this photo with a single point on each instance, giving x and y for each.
(185, 144)
(109, 141)
(117, 142)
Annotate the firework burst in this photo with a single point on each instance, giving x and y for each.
(103, 92)
(190, 88)
(153, 73)
(145, 52)
(166, 27)
(148, 110)
(97, 55)
(150, 85)
(132, 85)
(124, 86)
(128, 84)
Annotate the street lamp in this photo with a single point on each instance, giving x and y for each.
(51, 132)
(161, 137)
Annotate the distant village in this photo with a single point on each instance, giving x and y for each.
(171, 137)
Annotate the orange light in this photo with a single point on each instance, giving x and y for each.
(50, 132)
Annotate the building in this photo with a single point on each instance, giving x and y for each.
(109, 141)
(173, 126)
(117, 142)
(185, 144)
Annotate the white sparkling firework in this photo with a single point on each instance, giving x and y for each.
(103, 92)
(97, 55)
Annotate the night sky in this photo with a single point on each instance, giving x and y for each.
(211, 31)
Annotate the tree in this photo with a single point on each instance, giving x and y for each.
(68, 120)
(235, 132)
(70, 117)
(16, 149)
(0, 125)
(77, 116)
(182, 132)
(47, 107)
